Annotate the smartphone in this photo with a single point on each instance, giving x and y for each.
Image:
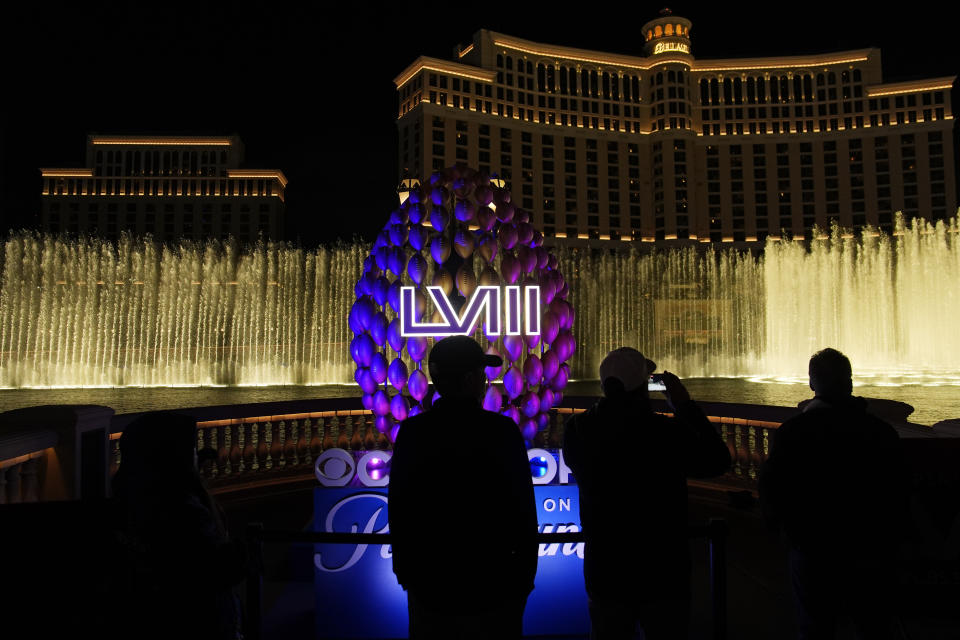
(656, 383)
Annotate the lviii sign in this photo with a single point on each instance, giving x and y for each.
(486, 302)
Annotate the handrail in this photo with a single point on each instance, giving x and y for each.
(715, 531)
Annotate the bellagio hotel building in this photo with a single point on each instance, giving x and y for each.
(172, 187)
(667, 147)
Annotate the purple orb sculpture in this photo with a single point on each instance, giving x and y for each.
(460, 231)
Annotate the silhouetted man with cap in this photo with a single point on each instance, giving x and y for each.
(634, 512)
(462, 511)
(833, 485)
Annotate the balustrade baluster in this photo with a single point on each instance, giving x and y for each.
(282, 438)
(294, 433)
(268, 445)
(329, 438)
(241, 442)
(255, 445)
(228, 446)
(753, 452)
(215, 445)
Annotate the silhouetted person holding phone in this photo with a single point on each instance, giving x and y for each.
(634, 514)
(833, 486)
(176, 565)
(462, 511)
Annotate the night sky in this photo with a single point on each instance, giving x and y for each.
(310, 90)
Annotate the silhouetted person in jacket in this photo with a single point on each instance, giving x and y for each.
(833, 487)
(176, 565)
(634, 512)
(462, 511)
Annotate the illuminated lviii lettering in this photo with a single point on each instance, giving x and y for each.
(485, 301)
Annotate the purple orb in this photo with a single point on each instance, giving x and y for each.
(381, 403)
(550, 363)
(549, 327)
(416, 348)
(507, 236)
(530, 405)
(378, 329)
(417, 268)
(529, 429)
(418, 237)
(393, 295)
(399, 407)
(514, 347)
(543, 418)
(510, 268)
(493, 399)
(364, 348)
(513, 382)
(394, 339)
(380, 288)
(417, 212)
(417, 385)
(378, 367)
(532, 370)
(439, 219)
(397, 375)
(383, 423)
(365, 379)
(367, 401)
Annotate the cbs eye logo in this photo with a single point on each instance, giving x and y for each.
(337, 468)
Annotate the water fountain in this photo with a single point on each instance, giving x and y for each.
(81, 312)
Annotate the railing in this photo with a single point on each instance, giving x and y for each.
(715, 531)
(283, 440)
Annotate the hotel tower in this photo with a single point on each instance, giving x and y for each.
(668, 147)
(171, 187)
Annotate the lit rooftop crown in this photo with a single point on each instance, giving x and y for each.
(667, 34)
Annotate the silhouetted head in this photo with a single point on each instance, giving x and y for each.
(624, 371)
(457, 367)
(831, 377)
(158, 449)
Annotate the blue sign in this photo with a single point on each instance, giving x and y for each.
(357, 595)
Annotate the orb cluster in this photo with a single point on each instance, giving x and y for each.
(459, 230)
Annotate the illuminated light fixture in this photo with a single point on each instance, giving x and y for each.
(465, 51)
(258, 173)
(625, 238)
(671, 236)
(561, 234)
(728, 238)
(433, 64)
(66, 173)
(908, 90)
(604, 236)
(162, 141)
(783, 63)
(704, 239)
(498, 182)
(582, 236)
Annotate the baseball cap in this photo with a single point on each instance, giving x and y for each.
(459, 354)
(627, 365)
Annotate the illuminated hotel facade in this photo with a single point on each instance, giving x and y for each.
(172, 187)
(671, 148)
